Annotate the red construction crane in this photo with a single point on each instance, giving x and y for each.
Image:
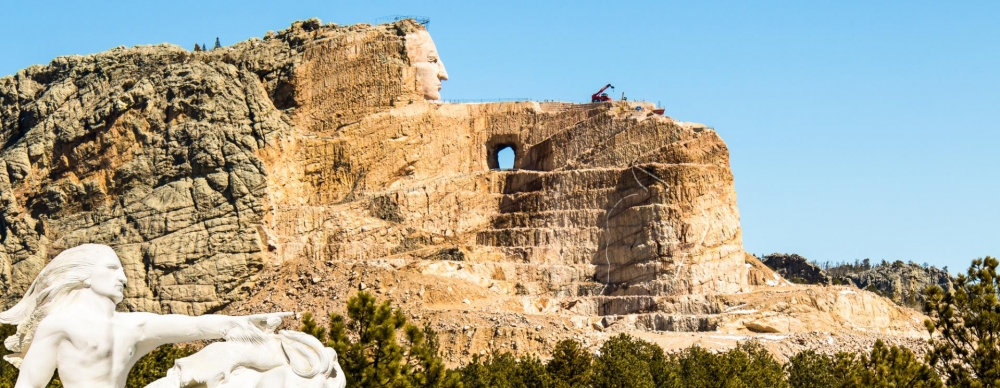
(600, 96)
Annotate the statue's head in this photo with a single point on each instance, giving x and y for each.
(88, 266)
(424, 57)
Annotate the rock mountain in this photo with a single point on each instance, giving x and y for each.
(289, 172)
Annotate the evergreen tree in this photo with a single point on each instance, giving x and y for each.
(809, 369)
(370, 354)
(748, 365)
(504, 371)
(197, 48)
(423, 367)
(627, 362)
(217, 44)
(154, 365)
(894, 367)
(570, 364)
(968, 319)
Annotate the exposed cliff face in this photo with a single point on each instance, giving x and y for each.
(904, 283)
(796, 268)
(154, 150)
(288, 173)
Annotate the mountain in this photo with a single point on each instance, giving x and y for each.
(287, 173)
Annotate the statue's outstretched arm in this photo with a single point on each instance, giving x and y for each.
(40, 362)
(159, 330)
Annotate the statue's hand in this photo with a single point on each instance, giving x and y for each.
(268, 322)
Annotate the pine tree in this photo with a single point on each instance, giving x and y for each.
(217, 44)
(968, 319)
(895, 367)
(570, 364)
(503, 370)
(367, 346)
(422, 366)
(809, 369)
(748, 365)
(627, 362)
(154, 365)
(197, 47)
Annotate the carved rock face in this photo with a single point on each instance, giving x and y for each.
(424, 57)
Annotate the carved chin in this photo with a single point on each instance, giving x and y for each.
(432, 94)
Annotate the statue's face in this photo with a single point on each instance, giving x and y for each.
(430, 70)
(108, 278)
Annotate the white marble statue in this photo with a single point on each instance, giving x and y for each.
(423, 55)
(67, 321)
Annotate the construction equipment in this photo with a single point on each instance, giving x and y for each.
(600, 96)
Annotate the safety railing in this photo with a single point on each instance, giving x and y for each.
(482, 100)
(395, 18)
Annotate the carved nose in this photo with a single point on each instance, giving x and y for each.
(442, 73)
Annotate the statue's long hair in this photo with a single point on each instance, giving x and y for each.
(67, 272)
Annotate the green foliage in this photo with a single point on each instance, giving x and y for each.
(377, 348)
(883, 367)
(894, 367)
(570, 364)
(749, 365)
(627, 362)
(504, 371)
(968, 319)
(149, 368)
(217, 44)
(423, 366)
(809, 369)
(154, 365)
(8, 373)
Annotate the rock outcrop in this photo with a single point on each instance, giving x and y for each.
(904, 283)
(796, 268)
(289, 172)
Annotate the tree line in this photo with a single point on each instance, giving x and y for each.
(378, 347)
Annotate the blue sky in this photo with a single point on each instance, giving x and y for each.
(857, 129)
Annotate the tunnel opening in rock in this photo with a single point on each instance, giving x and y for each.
(501, 156)
(505, 158)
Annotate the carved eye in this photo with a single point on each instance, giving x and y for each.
(432, 59)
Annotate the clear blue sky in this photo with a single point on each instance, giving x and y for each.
(856, 128)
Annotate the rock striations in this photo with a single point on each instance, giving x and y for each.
(291, 171)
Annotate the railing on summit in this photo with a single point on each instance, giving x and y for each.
(482, 100)
(395, 18)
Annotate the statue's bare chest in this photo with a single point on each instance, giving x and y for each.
(101, 339)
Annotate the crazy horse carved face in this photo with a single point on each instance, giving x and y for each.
(424, 57)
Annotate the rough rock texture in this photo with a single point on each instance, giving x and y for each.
(289, 172)
(904, 283)
(796, 268)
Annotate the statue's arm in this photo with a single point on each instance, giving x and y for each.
(156, 330)
(40, 362)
